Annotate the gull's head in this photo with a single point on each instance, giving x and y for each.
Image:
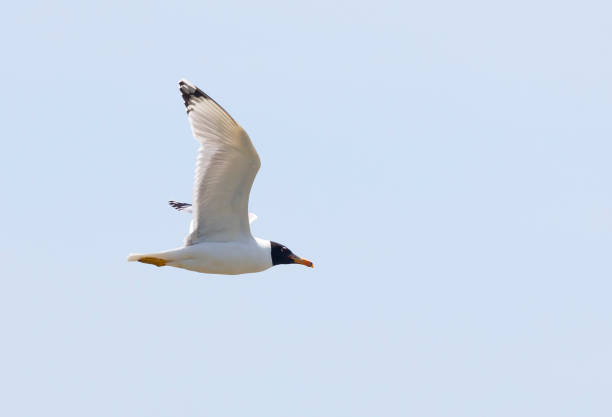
(281, 254)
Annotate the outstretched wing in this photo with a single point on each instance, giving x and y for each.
(226, 167)
(186, 207)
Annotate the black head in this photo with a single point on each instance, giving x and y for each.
(283, 255)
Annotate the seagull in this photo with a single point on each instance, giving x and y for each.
(220, 239)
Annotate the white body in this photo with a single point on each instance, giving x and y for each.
(228, 258)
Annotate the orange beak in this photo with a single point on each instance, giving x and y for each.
(301, 261)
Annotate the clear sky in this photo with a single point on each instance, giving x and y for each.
(445, 165)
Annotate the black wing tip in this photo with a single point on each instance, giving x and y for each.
(189, 91)
(178, 206)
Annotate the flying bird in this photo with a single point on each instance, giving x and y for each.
(220, 239)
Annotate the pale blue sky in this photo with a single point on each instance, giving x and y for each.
(445, 165)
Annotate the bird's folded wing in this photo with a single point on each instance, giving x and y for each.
(226, 167)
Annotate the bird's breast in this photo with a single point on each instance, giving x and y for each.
(229, 258)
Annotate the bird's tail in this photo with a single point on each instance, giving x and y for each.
(133, 257)
(146, 258)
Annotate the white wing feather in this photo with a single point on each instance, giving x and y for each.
(226, 167)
